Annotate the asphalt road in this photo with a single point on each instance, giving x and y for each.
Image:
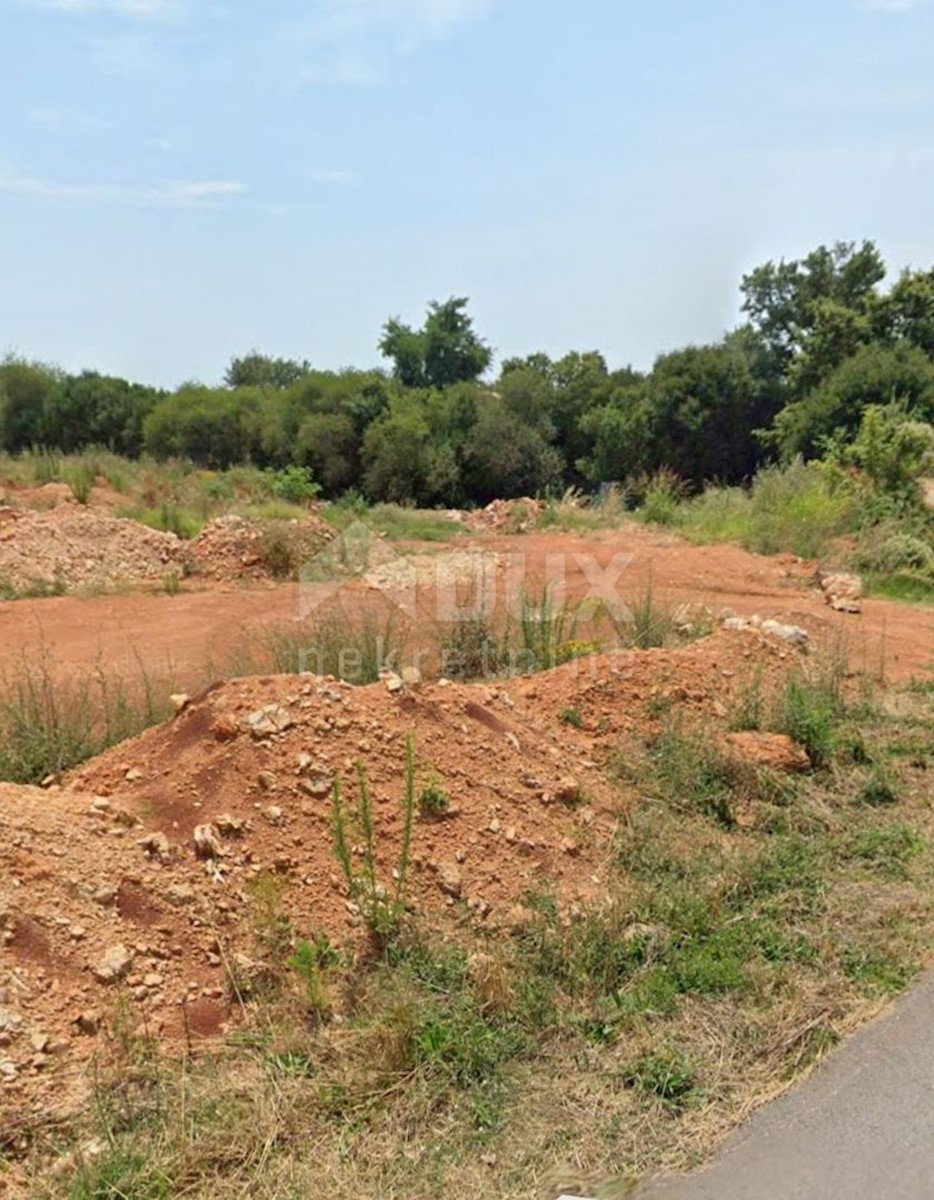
(860, 1128)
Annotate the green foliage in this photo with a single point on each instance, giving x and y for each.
(172, 518)
(351, 646)
(444, 351)
(294, 485)
(25, 389)
(309, 961)
(874, 376)
(691, 771)
(788, 302)
(545, 629)
(260, 370)
(49, 724)
(651, 621)
(572, 717)
(665, 1076)
(382, 907)
(81, 479)
(433, 800)
(886, 850)
(809, 712)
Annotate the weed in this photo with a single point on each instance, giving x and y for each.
(170, 518)
(172, 583)
(355, 648)
(878, 970)
(382, 909)
(45, 464)
(886, 850)
(572, 717)
(879, 789)
(808, 712)
(81, 478)
(651, 622)
(750, 703)
(666, 1076)
(692, 772)
(470, 649)
(293, 484)
(281, 550)
(544, 628)
(433, 800)
(309, 961)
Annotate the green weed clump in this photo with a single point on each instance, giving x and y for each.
(169, 517)
(381, 906)
(433, 800)
(794, 508)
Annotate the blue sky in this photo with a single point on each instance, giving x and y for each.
(183, 180)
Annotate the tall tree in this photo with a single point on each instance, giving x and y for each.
(445, 351)
(817, 309)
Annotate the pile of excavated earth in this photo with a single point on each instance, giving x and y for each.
(134, 881)
(72, 547)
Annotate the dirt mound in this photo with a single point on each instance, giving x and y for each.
(506, 516)
(71, 546)
(233, 547)
(138, 881)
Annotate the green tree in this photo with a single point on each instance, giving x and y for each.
(783, 300)
(98, 410)
(696, 414)
(25, 388)
(874, 375)
(445, 351)
(907, 312)
(328, 443)
(505, 456)
(214, 428)
(262, 371)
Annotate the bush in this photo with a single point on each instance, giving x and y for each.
(295, 485)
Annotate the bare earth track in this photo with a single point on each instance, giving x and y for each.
(181, 632)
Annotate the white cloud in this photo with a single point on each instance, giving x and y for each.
(351, 41)
(176, 193)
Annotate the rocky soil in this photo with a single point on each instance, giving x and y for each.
(134, 882)
(71, 547)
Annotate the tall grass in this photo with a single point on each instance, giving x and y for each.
(353, 646)
(51, 721)
(795, 508)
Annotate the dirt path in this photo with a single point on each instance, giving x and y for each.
(181, 634)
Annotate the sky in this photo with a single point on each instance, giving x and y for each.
(182, 181)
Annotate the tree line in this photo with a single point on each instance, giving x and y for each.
(822, 344)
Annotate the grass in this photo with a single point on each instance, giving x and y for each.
(355, 646)
(794, 508)
(395, 522)
(717, 962)
(51, 722)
